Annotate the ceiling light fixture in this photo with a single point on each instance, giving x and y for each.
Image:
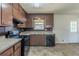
(36, 5)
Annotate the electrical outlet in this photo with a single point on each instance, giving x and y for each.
(63, 40)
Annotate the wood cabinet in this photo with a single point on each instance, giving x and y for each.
(29, 23)
(15, 50)
(22, 14)
(16, 6)
(17, 13)
(7, 14)
(18, 52)
(8, 11)
(49, 20)
(42, 40)
(37, 40)
(17, 45)
(8, 52)
(21, 10)
(47, 17)
(21, 26)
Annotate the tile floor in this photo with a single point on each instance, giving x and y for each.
(58, 50)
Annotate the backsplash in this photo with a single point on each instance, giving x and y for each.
(5, 29)
(1, 29)
(8, 29)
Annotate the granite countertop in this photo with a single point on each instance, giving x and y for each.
(36, 32)
(6, 43)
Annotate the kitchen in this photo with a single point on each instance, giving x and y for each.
(39, 29)
(26, 29)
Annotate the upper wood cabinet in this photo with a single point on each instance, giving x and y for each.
(16, 6)
(19, 13)
(47, 17)
(18, 16)
(7, 14)
(16, 13)
(23, 15)
(49, 20)
(20, 9)
(29, 23)
(10, 10)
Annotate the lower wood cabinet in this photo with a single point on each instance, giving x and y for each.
(15, 50)
(42, 40)
(8, 52)
(37, 40)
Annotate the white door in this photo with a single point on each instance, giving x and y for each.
(73, 32)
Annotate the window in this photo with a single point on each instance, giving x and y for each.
(38, 24)
(73, 26)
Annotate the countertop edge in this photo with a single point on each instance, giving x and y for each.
(10, 46)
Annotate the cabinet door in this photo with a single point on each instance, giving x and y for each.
(33, 40)
(20, 9)
(7, 14)
(17, 49)
(42, 40)
(15, 13)
(36, 40)
(49, 20)
(18, 52)
(22, 14)
(16, 6)
(18, 15)
(29, 21)
(17, 45)
(8, 52)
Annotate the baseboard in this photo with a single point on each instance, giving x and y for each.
(67, 42)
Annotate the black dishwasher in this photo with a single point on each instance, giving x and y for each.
(50, 40)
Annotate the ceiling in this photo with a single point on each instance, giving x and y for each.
(69, 8)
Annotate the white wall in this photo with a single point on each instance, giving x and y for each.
(62, 28)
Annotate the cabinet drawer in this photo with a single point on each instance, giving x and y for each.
(17, 52)
(17, 45)
(8, 52)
